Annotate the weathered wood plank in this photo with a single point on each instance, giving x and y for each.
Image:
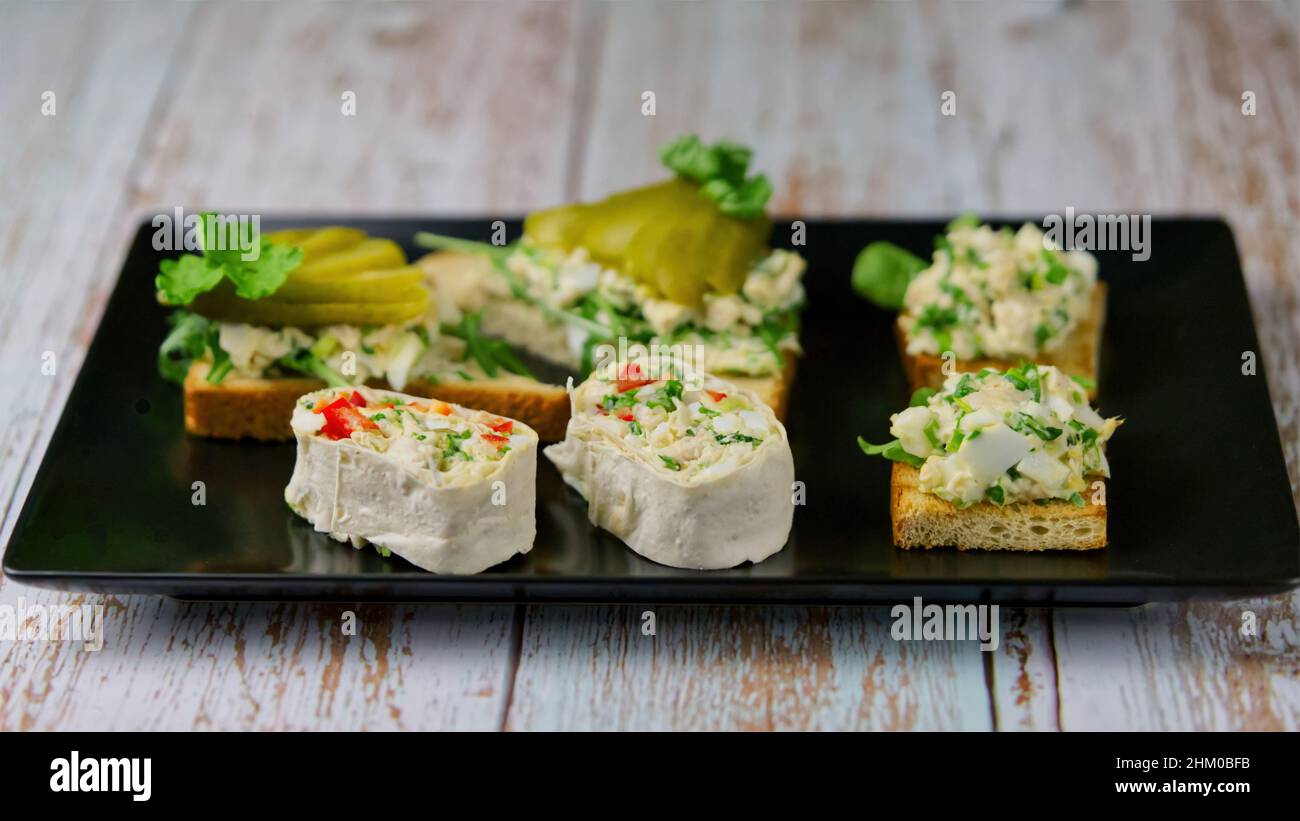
(460, 108)
(711, 668)
(461, 112)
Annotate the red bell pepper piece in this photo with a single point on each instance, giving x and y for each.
(631, 377)
(357, 399)
(504, 426)
(716, 396)
(496, 439)
(342, 419)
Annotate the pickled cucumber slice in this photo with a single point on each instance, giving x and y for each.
(675, 265)
(331, 240)
(560, 227)
(614, 222)
(736, 244)
(226, 307)
(393, 285)
(370, 254)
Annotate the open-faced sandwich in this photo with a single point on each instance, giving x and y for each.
(688, 469)
(449, 489)
(325, 307)
(990, 297)
(684, 261)
(1009, 460)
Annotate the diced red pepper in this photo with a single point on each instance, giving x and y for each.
(626, 416)
(496, 439)
(342, 419)
(631, 377)
(504, 426)
(716, 396)
(357, 399)
(443, 408)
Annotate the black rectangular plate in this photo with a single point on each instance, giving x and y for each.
(1200, 504)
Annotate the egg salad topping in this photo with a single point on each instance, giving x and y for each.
(746, 332)
(439, 442)
(1028, 434)
(695, 433)
(996, 294)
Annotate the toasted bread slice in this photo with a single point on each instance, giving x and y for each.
(241, 408)
(1078, 354)
(773, 390)
(924, 520)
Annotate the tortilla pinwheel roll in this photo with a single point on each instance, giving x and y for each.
(687, 469)
(449, 489)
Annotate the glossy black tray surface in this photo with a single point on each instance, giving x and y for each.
(1200, 504)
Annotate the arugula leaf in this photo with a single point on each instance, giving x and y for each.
(185, 343)
(305, 362)
(221, 362)
(882, 272)
(491, 354)
(441, 242)
(893, 451)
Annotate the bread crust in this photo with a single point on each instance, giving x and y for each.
(1078, 356)
(242, 408)
(773, 390)
(923, 520)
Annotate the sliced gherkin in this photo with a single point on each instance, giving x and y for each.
(676, 263)
(560, 227)
(224, 306)
(319, 242)
(614, 222)
(736, 244)
(371, 254)
(392, 285)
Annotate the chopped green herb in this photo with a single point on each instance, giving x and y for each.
(732, 438)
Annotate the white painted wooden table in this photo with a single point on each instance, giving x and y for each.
(494, 108)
